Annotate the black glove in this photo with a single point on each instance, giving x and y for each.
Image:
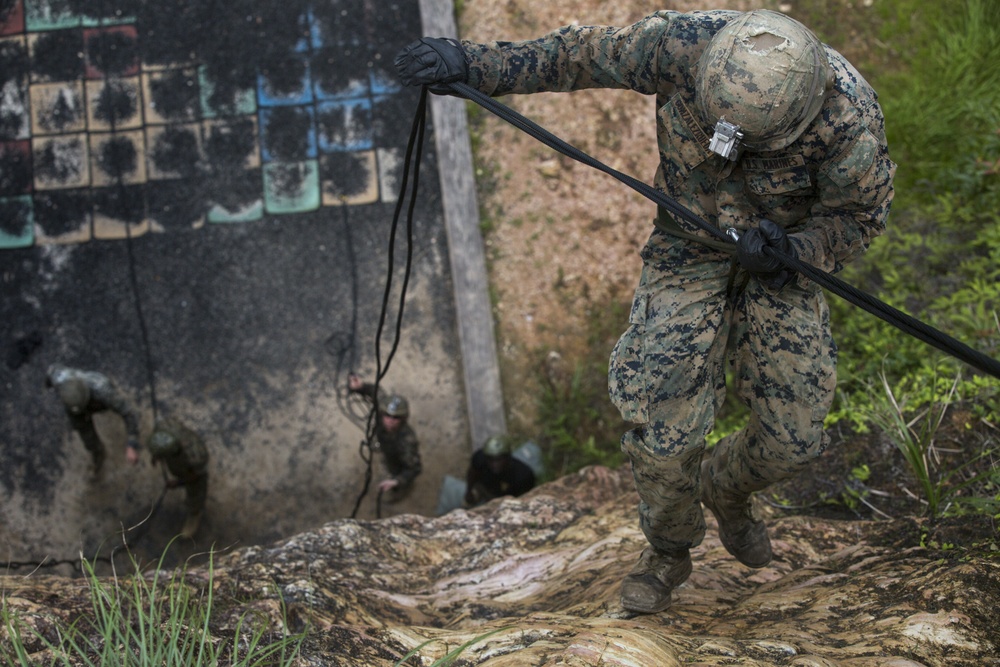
(750, 251)
(432, 60)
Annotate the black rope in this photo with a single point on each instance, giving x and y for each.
(343, 345)
(906, 323)
(414, 146)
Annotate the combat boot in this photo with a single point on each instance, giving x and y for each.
(648, 586)
(191, 525)
(743, 535)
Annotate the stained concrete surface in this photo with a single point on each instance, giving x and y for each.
(231, 264)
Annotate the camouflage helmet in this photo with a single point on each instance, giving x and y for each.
(766, 73)
(396, 406)
(496, 446)
(163, 443)
(75, 394)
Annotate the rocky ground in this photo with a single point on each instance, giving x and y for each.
(534, 581)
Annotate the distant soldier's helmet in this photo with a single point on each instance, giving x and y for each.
(75, 394)
(496, 446)
(162, 443)
(396, 406)
(766, 73)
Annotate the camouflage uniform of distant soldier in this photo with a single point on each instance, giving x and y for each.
(184, 453)
(813, 180)
(85, 393)
(494, 472)
(396, 440)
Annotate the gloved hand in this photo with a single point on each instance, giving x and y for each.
(432, 60)
(750, 252)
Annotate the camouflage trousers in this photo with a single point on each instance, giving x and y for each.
(693, 317)
(196, 494)
(84, 425)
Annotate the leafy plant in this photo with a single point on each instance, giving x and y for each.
(939, 259)
(580, 426)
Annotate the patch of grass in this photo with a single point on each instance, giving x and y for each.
(136, 621)
(451, 656)
(914, 432)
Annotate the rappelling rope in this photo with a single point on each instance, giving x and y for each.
(414, 147)
(897, 318)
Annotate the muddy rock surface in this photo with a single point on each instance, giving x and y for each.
(534, 581)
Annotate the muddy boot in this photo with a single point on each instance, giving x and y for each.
(648, 586)
(742, 533)
(191, 526)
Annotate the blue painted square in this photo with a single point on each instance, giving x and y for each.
(307, 25)
(384, 82)
(284, 82)
(339, 71)
(17, 226)
(344, 126)
(287, 134)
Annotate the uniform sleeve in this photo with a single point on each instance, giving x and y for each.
(523, 478)
(572, 58)
(195, 452)
(368, 391)
(102, 390)
(855, 194)
(410, 459)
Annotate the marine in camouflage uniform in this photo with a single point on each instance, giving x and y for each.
(397, 441)
(86, 393)
(183, 452)
(814, 180)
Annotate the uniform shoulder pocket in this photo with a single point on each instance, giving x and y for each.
(854, 161)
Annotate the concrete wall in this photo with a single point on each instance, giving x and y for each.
(234, 264)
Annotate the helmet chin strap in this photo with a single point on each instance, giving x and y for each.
(726, 140)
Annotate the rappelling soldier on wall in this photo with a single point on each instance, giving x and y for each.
(186, 458)
(395, 439)
(86, 393)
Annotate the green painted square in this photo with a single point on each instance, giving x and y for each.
(17, 222)
(49, 15)
(291, 187)
(220, 215)
(94, 21)
(244, 101)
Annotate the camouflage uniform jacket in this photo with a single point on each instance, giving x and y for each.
(189, 462)
(400, 448)
(831, 188)
(103, 395)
